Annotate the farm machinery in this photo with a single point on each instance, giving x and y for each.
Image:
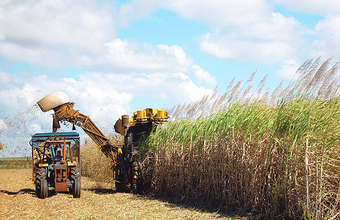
(64, 174)
(124, 158)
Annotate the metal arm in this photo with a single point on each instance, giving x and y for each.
(63, 111)
(67, 113)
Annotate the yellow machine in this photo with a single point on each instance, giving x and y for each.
(125, 159)
(134, 129)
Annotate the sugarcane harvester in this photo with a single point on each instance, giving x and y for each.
(135, 130)
(125, 159)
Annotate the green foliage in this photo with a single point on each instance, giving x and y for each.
(276, 157)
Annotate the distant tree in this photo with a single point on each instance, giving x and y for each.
(1, 146)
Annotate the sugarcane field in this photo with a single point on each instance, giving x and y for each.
(159, 109)
(225, 157)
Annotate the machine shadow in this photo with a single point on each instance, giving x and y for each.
(198, 205)
(28, 191)
(175, 202)
(22, 191)
(101, 191)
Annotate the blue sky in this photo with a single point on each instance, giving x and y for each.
(115, 57)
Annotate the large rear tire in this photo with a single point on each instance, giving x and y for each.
(41, 185)
(76, 182)
(77, 188)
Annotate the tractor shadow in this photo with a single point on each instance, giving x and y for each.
(31, 192)
(22, 191)
(28, 191)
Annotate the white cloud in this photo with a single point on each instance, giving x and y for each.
(266, 42)
(40, 31)
(323, 39)
(79, 33)
(204, 76)
(82, 33)
(172, 87)
(132, 55)
(221, 12)
(312, 6)
(250, 31)
(136, 9)
(5, 80)
(328, 34)
(288, 70)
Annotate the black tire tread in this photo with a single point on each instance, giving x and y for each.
(41, 183)
(75, 177)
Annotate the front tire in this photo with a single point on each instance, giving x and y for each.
(41, 185)
(76, 179)
(77, 188)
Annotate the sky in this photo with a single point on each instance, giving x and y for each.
(115, 57)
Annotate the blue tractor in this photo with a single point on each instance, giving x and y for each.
(62, 174)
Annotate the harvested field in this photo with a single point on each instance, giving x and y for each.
(19, 201)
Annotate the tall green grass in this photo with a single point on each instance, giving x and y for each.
(272, 154)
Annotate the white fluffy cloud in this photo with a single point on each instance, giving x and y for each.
(79, 33)
(172, 87)
(204, 76)
(131, 55)
(328, 33)
(82, 33)
(221, 12)
(50, 33)
(117, 72)
(242, 31)
(253, 32)
(265, 42)
(100, 101)
(5, 80)
(324, 8)
(288, 70)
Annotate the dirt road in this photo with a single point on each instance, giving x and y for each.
(18, 201)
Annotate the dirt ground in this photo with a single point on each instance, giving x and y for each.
(19, 201)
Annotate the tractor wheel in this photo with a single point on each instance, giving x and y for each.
(77, 188)
(41, 186)
(76, 182)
